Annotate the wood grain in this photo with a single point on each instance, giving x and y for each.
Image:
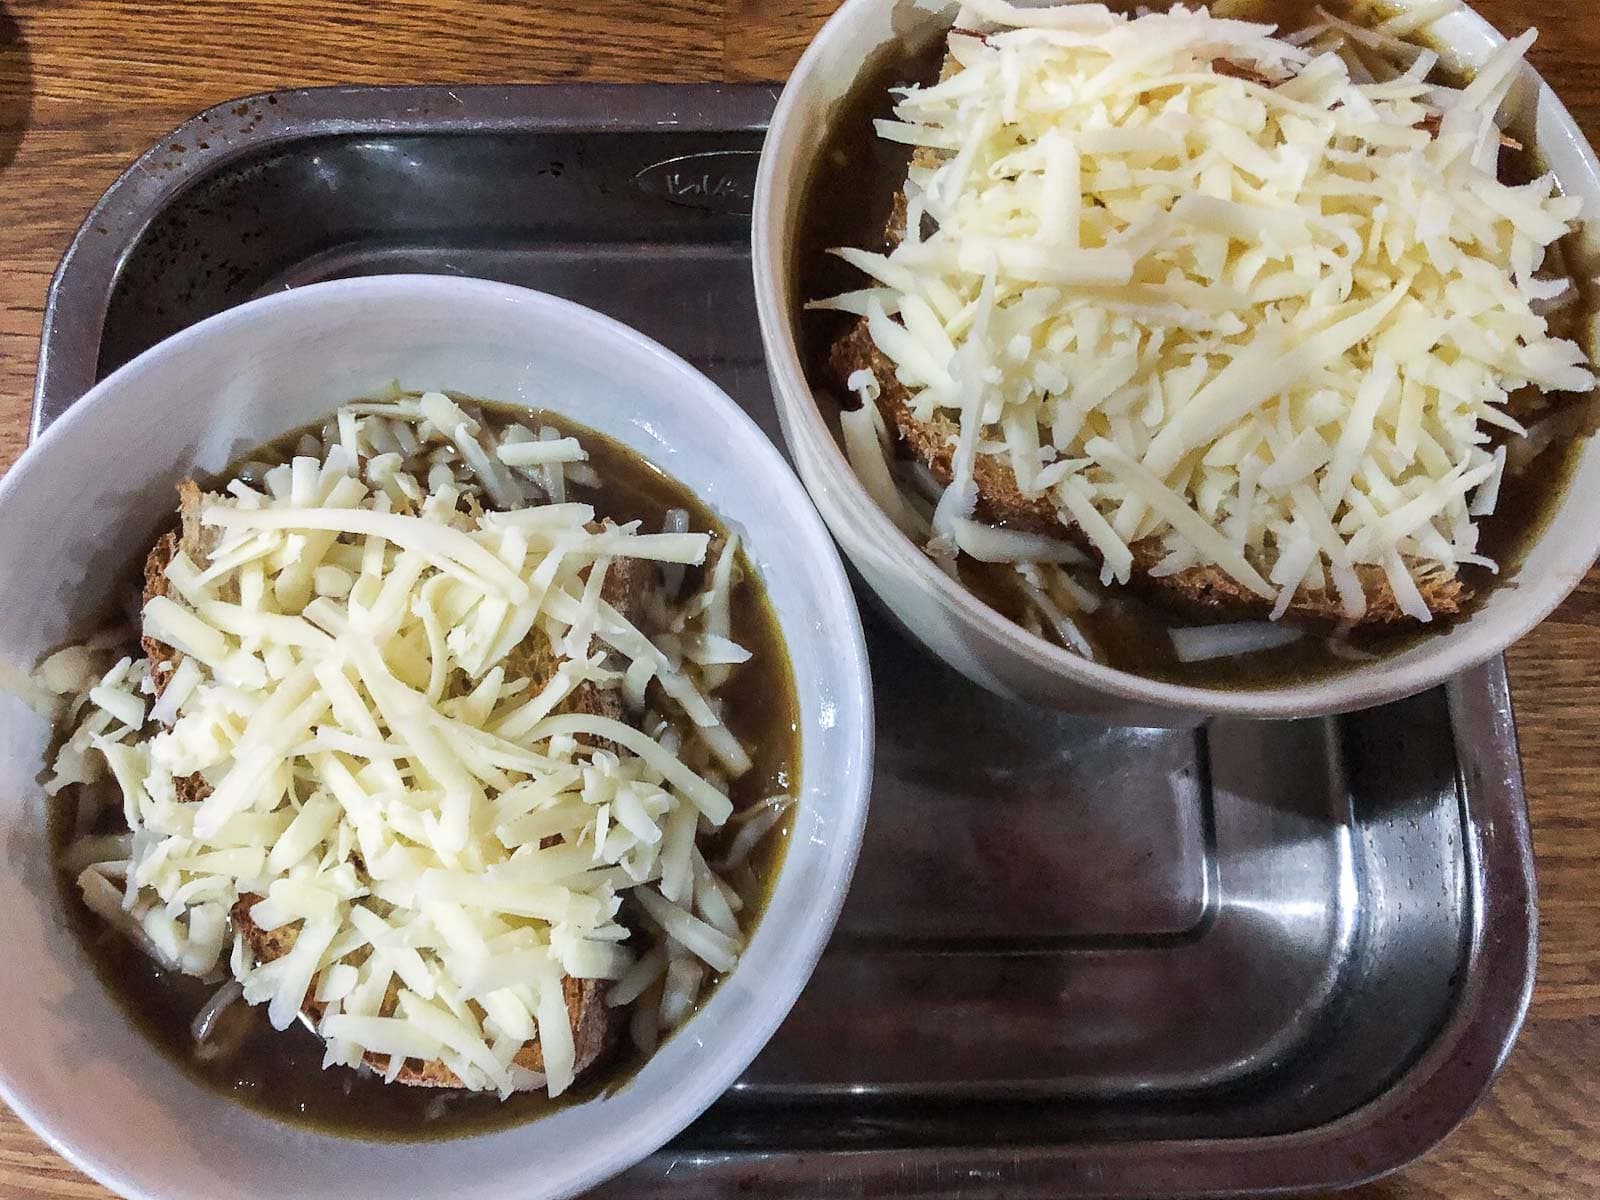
(87, 84)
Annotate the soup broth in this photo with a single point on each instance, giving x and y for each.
(848, 199)
(280, 1073)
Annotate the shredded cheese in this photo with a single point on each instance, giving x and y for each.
(1219, 297)
(358, 734)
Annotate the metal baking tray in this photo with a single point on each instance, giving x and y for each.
(1076, 960)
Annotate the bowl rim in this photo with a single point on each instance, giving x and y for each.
(684, 1097)
(827, 471)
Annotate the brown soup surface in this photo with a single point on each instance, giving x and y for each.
(280, 1074)
(848, 198)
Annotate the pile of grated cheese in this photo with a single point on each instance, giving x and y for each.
(1266, 316)
(381, 772)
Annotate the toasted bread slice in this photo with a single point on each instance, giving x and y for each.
(595, 1025)
(162, 656)
(1204, 592)
(194, 541)
(628, 581)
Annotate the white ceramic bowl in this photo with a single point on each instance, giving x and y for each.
(82, 503)
(961, 629)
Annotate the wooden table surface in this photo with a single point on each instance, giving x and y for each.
(85, 85)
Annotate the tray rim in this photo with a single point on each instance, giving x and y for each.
(75, 305)
(1422, 1108)
(1436, 1094)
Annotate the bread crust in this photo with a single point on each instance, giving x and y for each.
(596, 1027)
(1201, 592)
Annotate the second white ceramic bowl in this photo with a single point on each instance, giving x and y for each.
(961, 629)
(79, 509)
